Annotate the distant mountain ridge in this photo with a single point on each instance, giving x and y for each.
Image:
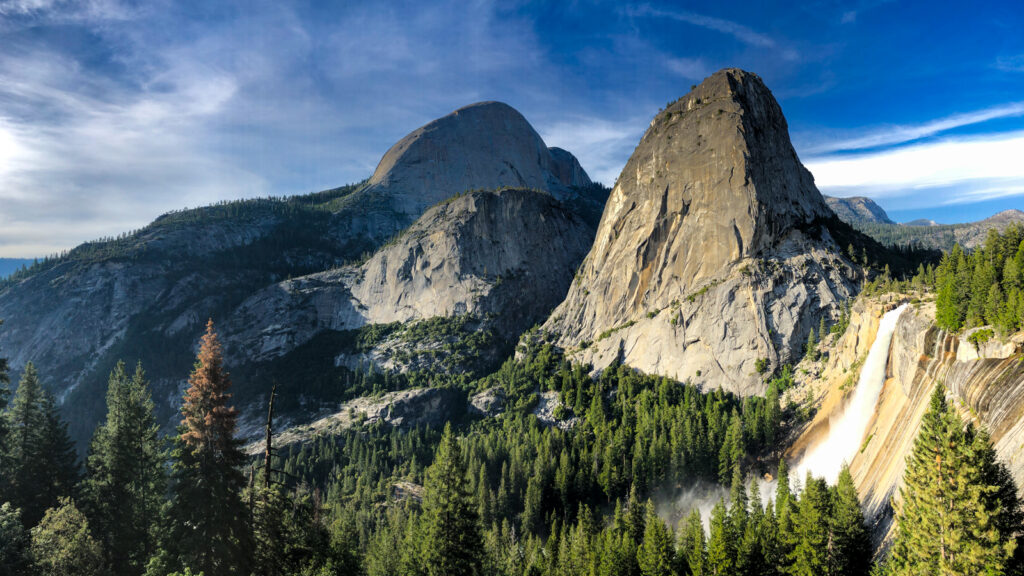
(929, 234)
(857, 209)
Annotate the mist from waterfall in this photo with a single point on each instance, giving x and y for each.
(847, 430)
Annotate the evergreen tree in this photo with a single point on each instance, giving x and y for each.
(850, 550)
(43, 466)
(208, 529)
(5, 393)
(452, 541)
(15, 559)
(812, 345)
(125, 485)
(959, 512)
(656, 554)
(811, 535)
(693, 547)
(63, 545)
(721, 546)
(947, 305)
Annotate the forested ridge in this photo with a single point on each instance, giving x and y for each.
(605, 489)
(504, 495)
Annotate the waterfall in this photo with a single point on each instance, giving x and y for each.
(846, 432)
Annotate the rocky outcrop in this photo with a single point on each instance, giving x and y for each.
(713, 256)
(405, 409)
(858, 209)
(488, 145)
(505, 258)
(986, 389)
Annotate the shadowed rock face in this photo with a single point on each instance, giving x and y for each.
(507, 257)
(710, 254)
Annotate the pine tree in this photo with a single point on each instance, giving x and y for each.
(125, 485)
(209, 529)
(452, 542)
(656, 554)
(42, 461)
(959, 512)
(811, 529)
(15, 558)
(750, 556)
(693, 547)
(5, 393)
(721, 546)
(812, 345)
(850, 550)
(947, 306)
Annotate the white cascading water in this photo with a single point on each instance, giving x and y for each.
(846, 433)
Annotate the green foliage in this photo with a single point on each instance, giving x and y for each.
(656, 555)
(761, 365)
(959, 512)
(811, 349)
(452, 544)
(611, 331)
(63, 544)
(15, 557)
(42, 461)
(980, 336)
(125, 484)
(981, 287)
(850, 550)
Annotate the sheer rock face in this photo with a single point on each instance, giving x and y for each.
(488, 145)
(505, 256)
(711, 253)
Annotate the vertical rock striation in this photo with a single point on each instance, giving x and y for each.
(713, 256)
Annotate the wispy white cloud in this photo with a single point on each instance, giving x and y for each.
(971, 196)
(738, 31)
(689, 68)
(601, 146)
(955, 170)
(1013, 63)
(259, 99)
(891, 135)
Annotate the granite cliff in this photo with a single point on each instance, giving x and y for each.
(985, 381)
(145, 295)
(504, 258)
(715, 255)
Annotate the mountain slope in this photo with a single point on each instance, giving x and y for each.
(503, 258)
(146, 295)
(857, 209)
(714, 256)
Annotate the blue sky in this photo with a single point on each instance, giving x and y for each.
(113, 112)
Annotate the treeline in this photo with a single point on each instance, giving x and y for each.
(497, 496)
(983, 286)
(304, 222)
(940, 237)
